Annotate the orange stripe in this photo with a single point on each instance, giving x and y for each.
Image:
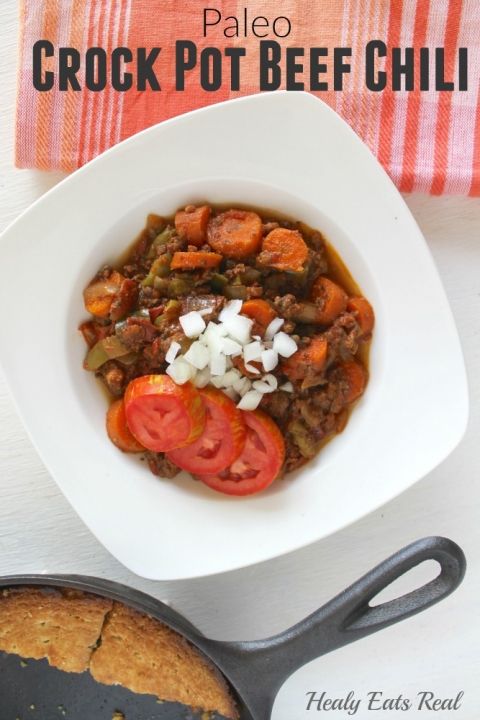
(387, 114)
(413, 102)
(445, 100)
(143, 109)
(72, 99)
(97, 97)
(475, 186)
(109, 92)
(119, 96)
(45, 99)
(85, 93)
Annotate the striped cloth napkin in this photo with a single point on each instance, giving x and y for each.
(427, 140)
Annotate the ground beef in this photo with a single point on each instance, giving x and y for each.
(114, 377)
(160, 465)
(195, 303)
(176, 244)
(145, 319)
(277, 405)
(254, 291)
(136, 333)
(342, 337)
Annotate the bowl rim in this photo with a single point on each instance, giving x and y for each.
(289, 103)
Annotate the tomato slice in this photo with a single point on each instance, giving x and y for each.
(118, 431)
(162, 415)
(259, 463)
(222, 440)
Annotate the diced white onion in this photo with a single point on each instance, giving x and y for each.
(192, 324)
(172, 352)
(284, 345)
(262, 387)
(231, 393)
(273, 328)
(242, 385)
(250, 401)
(231, 308)
(209, 358)
(269, 360)
(218, 364)
(271, 380)
(252, 351)
(238, 327)
(180, 371)
(231, 377)
(230, 347)
(214, 330)
(202, 378)
(217, 380)
(215, 344)
(197, 355)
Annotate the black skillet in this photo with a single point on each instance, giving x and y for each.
(255, 670)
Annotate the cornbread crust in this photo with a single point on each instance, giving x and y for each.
(146, 656)
(77, 631)
(60, 625)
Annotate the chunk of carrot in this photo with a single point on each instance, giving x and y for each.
(330, 298)
(118, 430)
(195, 260)
(99, 295)
(364, 314)
(356, 378)
(284, 249)
(308, 360)
(192, 224)
(260, 311)
(235, 234)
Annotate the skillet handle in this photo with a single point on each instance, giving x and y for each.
(355, 617)
(346, 618)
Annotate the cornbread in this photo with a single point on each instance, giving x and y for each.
(62, 626)
(78, 632)
(160, 662)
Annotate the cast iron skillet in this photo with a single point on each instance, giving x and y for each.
(256, 670)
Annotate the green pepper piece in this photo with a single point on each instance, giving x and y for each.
(129, 359)
(171, 313)
(109, 348)
(162, 239)
(180, 286)
(250, 275)
(302, 438)
(160, 268)
(218, 282)
(235, 292)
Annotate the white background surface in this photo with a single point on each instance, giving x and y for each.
(437, 650)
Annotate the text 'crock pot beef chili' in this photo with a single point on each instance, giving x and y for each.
(233, 344)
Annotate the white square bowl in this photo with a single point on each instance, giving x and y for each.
(283, 151)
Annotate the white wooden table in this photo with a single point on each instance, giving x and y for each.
(437, 650)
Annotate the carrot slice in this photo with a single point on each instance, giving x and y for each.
(192, 224)
(284, 249)
(307, 361)
(260, 311)
(235, 233)
(364, 314)
(99, 295)
(194, 260)
(356, 377)
(118, 431)
(332, 299)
